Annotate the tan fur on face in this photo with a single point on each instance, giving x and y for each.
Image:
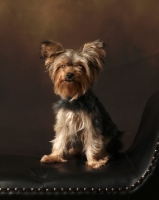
(81, 80)
(67, 89)
(91, 57)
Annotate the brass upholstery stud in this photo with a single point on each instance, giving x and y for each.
(47, 190)
(77, 189)
(99, 189)
(120, 189)
(85, 189)
(148, 171)
(151, 165)
(138, 181)
(133, 186)
(55, 189)
(70, 189)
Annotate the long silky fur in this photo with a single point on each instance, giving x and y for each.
(101, 120)
(80, 117)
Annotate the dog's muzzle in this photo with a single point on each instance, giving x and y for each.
(69, 76)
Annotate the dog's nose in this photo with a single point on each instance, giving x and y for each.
(69, 75)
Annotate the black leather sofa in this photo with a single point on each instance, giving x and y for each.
(133, 174)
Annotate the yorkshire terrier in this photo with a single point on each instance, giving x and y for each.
(82, 123)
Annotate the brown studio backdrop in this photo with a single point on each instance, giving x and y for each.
(130, 30)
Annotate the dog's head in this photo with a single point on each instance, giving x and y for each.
(73, 72)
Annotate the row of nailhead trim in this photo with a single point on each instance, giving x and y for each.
(149, 170)
(98, 190)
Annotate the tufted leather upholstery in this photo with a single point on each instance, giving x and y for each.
(126, 175)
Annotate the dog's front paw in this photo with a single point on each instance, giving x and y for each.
(97, 163)
(52, 159)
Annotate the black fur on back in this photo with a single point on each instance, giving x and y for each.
(101, 120)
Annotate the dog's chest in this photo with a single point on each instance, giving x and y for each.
(73, 122)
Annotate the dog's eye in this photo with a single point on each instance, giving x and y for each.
(81, 67)
(63, 66)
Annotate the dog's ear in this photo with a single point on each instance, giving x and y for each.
(95, 53)
(50, 50)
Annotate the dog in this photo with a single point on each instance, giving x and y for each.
(82, 123)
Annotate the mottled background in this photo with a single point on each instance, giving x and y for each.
(130, 29)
